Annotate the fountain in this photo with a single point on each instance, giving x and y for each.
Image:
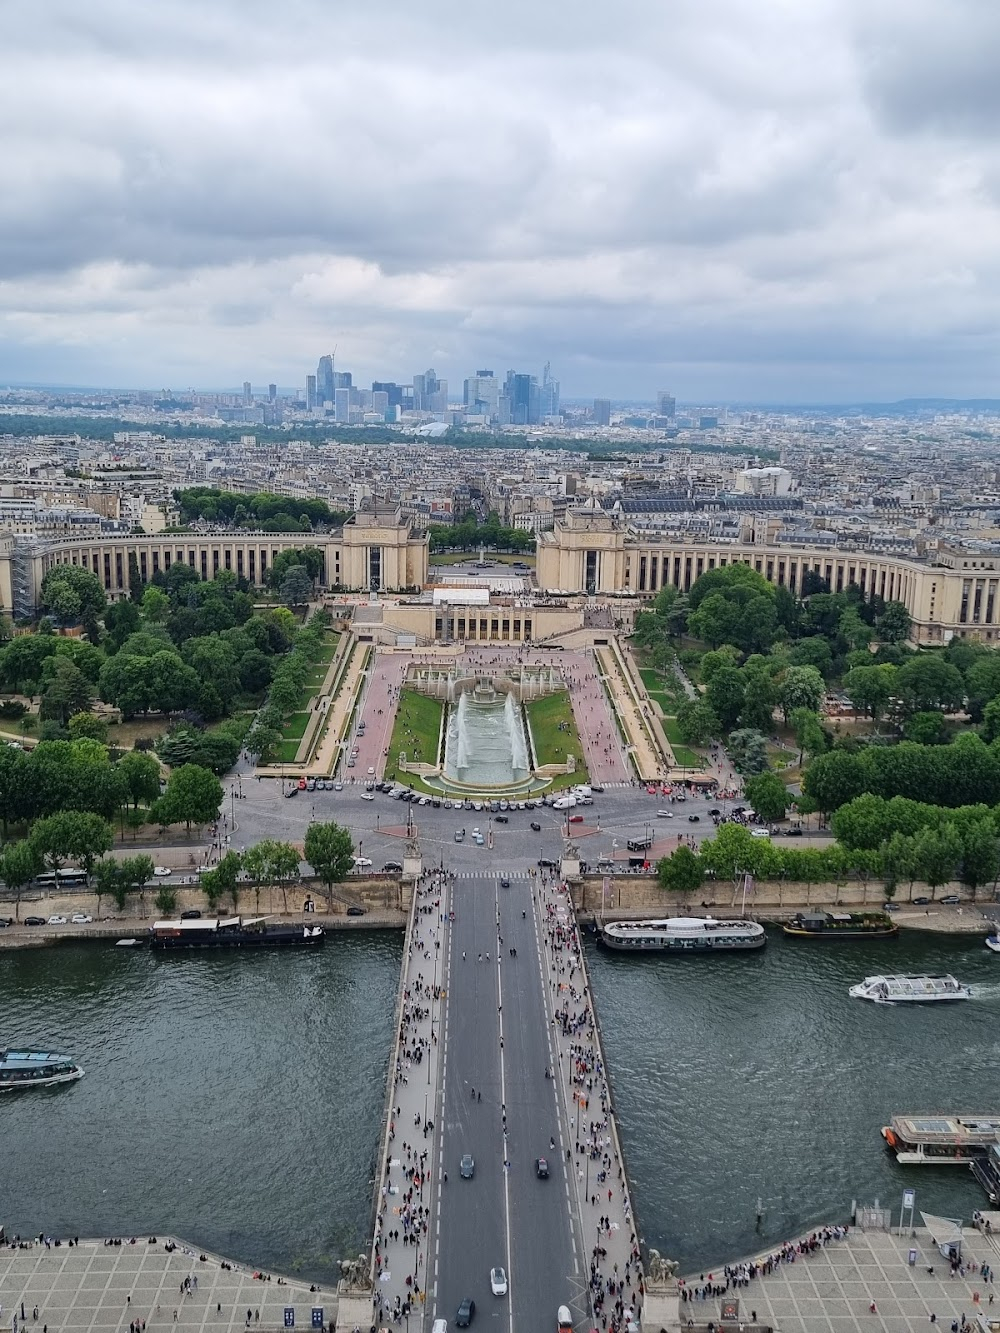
(485, 744)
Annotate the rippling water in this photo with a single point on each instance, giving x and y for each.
(232, 1099)
(236, 1100)
(756, 1075)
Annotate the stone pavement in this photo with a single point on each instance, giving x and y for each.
(832, 1289)
(98, 1288)
(648, 763)
(603, 1202)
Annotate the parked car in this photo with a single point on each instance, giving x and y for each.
(56, 920)
(302, 784)
(355, 911)
(757, 832)
(362, 862)
(161, 872)
(34, 921)
(460, 835)
(81, 919)
(922, 901)
(191, 914)
(950, 899)
(292, 791)
(6, 921)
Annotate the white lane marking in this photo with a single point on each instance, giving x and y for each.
(503, 1102)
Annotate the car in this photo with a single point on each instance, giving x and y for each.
(362, 862)
(391, 866)
(505, 881)
(310, 784)
(439, 1326)
(541, 1168)
(651, 791)
(922, 901)
(715, 811)
(574, 819)
(694, 819)
(498, 1282)
(795, 831)
(664, 814)
(368, 796)
(594, 786)
(950, 899)
(460, 835)
(355, 911)
(302, 784)
(161, 872)
(321, 784)
(292, 791)
(6, 921)
(338, 785)
(80, 919)
(467, 1166)
(350, 763)
(371, 770)
(56, 921)
(34, 921)
(466, 1312)
(890, 907)
(478, 839)
(546, 863)
(502, 819)
(535, 826)
(191, 914)
(758, 832)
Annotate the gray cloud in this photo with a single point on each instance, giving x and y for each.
(712, 196)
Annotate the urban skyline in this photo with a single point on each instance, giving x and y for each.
(775, 203)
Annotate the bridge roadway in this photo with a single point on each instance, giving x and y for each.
(480, 1019)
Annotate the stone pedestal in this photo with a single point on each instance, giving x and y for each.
(569, 867)
(354, 1311)
(413, 867)
(660, 1308)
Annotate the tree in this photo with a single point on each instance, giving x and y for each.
(899, 862)
(296, 586)
(893, 624)
(329, 849)
(980, 858)
(19, 865)
(809, 734)
(283, 867)
(929, 681)
(926, 729)
(768, 796)
(193, 795)
(697, 723)
(136, 872)
(937, 853)
(725, 696)
(834, 779)
(870, 688)
(224, 879)
(141, 775)
(88, 726)
(166, 899)
(72, 834)
(72, 593)
(802, 687)
(682, 872)
(748, 751)
(108, 883)
(155, 605)
(66, 691)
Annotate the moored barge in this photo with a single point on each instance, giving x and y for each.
(840, 925)
(232, 932)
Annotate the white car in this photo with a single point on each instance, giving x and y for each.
(81, 919)
(564, 803)
(371, 769)
(338, 785)
(57, 921)
(368, 796)
(664, 814)
(161, 872)
(760, 833)
(498, 1282)
(362, 862)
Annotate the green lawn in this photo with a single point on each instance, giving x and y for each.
(295, 728)
(415, 732)
(554, 731)
(684, 756)
(285, 752)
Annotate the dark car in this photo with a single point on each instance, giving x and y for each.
(921, 901)
(467, 1166)
(950, 899)
(794, 832)
(595, 787)
(541, 1168)
(466, 1313)
(505, 882)
(694, 819)
(715, 812)
(502, 819)
(34, 921)
(536, 827)
(546, 863)
(355, 911)
(292, 791)
(191, 914)
(392, 865)
(6, 921)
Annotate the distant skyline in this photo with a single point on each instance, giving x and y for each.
(773, 203)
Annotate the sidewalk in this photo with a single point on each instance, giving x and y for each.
(408, 1183)
(616, 1282)
(648, 763)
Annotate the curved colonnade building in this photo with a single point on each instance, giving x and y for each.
(590, 555)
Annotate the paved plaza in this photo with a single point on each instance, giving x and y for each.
(832, 1289)
(93, 1287)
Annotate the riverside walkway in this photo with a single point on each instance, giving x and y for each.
(493, 1000)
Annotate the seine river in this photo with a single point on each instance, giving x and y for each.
(236, 1100)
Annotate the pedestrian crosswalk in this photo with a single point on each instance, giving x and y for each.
(493, 874)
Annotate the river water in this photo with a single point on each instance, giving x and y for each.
(236, 1100)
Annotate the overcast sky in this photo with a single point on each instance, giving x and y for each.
(764, 200)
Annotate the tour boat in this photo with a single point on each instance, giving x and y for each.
(993, 942)
(910, 989)
(35, 1069)
(232, 932)
(940, 1140)
(684, 934)
(840, 925)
